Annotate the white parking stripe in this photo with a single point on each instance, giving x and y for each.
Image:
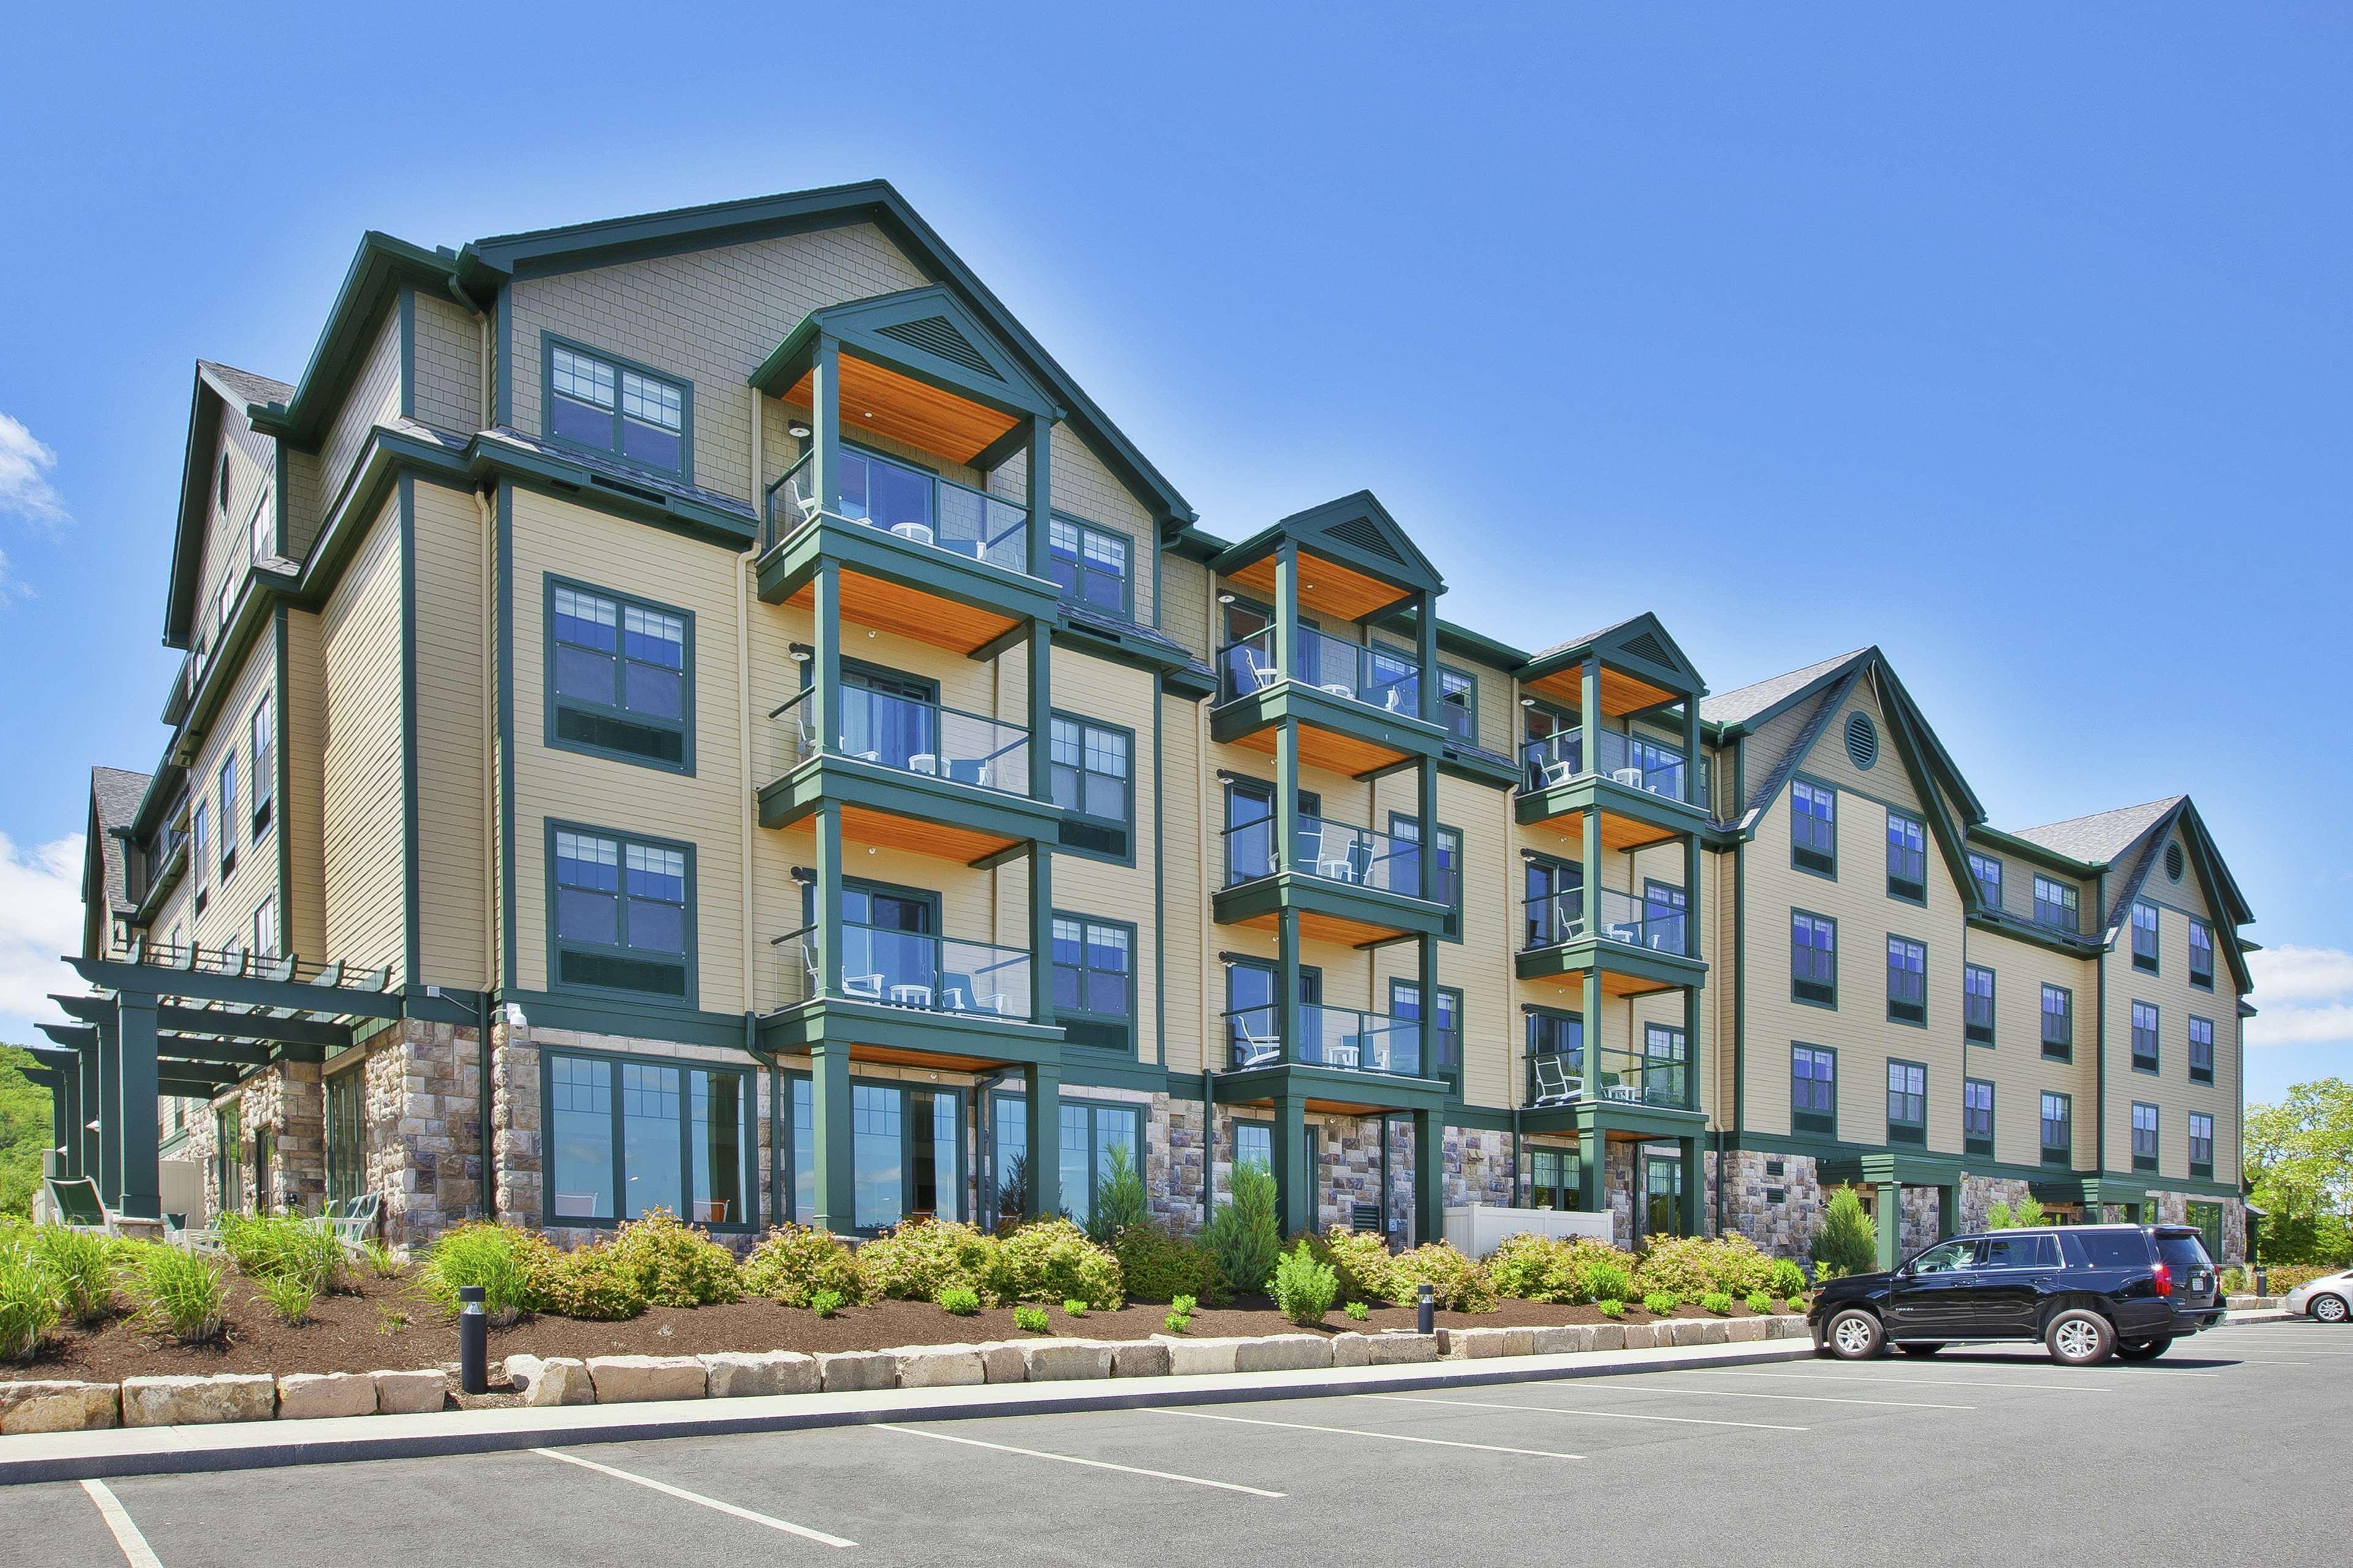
(126, 1534)
(1803, 1398)
(1603, 1414)
(1923, 1381)
(803, 1531)
(1074, 1459)
(1360, 1432)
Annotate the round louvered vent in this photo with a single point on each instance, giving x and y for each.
(1862, 740)
(2173, 861)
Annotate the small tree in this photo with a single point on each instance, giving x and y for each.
(1013, 1190)
(1304, 1288)
(2014, 1216)
(1847, 1243)
(1119, 1200)
(1244, 1233)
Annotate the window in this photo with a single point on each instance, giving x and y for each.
(1907, 858)
(1404, 1002)
(2144, 936)
(2058, 1129)
(2144, 1037)
(622, 916)
(2202, 955)
(1552, 1178)
(1561, 1036)
(1813, 1089)
(1404, 866)
(1977, 1004)
(2201, 1050)
(264, 729)
(1907, 981)
(259, 545)
(1813, 827)
(2058, 1023)
(1091, 779)
(904, 1159)
(620, 677)
(1091, 564)
(228, 815)
(625, 1136)
(346, 1137)
(265, 928)
(1976, 1116)
(199, 836)
(228, 1155)
(608, 405)
(1094, 980)
(2143, 1136)
(1090, 1132)
(2208, 1219)
(2201, 1144)
(1664, 922)
(2015, 1250)
(1987, 872)
(1666, 1055)
(2054, 904)
(221, 484)
(1907, 1102)
(1813, 959)
(1458, 703)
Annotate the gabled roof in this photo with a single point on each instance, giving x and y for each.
(219, 390)
(926, 331)
(2138, 856)
(1639, 644)
(1354, 531)
(2099, 838)
(114, 797)
(1749, 707)
(243, 388)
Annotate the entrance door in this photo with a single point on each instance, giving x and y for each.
(1662, 1190)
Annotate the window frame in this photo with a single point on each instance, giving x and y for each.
(1469, 708)
(1450, 928)
(1970, 1142)
(1070, 594)
(1901, 1130)
(1816, 790)
(1681, 907)
(2149, 1123)
(1978, 859)
(268, 905)
(1974, 1033)
(1126, 857)
(2056, 1154)
(550, 342)
(1818, 921)
(1449, 997)
(2201, 936)
(1896, 818)
(1125, 1023)
(2072, 903)
(1814, 1120)
(554, 707)
(225, 788)
(2154, 1056)
(2145, 961)
(261, 812)
(2058, 1050)
(2202, 1169)
(2199, 1074)
(199, 858)
(690, 996)
(749, 1151)
(1894, 940)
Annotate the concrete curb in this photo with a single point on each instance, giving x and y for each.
(158, 1451)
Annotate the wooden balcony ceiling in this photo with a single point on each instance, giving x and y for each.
(1613, 983)
(1621, 692)
(906, 1058)
(908, 613)
(862, 827)
(1326, 587)
(1619, 834)
(875, 397)
(1318, 927)
(1319, 748)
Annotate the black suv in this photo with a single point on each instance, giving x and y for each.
(2084, 1290)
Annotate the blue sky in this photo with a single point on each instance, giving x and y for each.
(2013, 339)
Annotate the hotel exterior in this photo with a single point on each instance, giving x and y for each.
(700, 710)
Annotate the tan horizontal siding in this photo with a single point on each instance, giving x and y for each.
(453, 852)
(362, 850)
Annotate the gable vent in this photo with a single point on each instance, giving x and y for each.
(1648, 646)
(1861, 740)
(937, 336)
(1363, 534)
(2173, 862)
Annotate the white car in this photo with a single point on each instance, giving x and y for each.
(2329, 1298)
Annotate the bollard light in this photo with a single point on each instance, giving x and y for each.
(1425, 1311)
(474, 1342)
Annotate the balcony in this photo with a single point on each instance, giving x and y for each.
(946, 997)
(911, 774)
(1644, 791)
(1343, 1038)
(907, 503)
(1376, 677)
(1636, 946)
(1358, 707)
(1349, 884)
(1609, 1075)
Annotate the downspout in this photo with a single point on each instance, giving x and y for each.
(482, 1069)
(491, 891)
(744, 717)
(2100, 1048)
(1208, 1142)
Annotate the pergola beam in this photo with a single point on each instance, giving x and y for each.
(238, 990)
(222, 1024)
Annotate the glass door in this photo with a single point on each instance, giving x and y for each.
(888, 718)
(1554, 904)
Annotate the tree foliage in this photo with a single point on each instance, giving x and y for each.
(2300, 1163)
(25, 1132)
(1847, 1242)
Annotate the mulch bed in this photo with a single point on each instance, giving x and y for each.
(360, 1332)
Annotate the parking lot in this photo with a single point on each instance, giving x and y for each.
(1969, 1457)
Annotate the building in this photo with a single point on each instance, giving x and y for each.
(702, 710)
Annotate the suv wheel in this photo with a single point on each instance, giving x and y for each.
(2328, 1308)
(1854, 1335)
(2079, 1338)
(2141, 1349)
(1921, 1347)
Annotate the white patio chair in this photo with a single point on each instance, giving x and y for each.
(1553, 1085)
(1261, 673)
(1257, 1052)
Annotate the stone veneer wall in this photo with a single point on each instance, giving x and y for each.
(1478, 1167)
(1979, 1194)
(422, 1112)
(285, 1099)
(515, 1148)
(1785, 1229)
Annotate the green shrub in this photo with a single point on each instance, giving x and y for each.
(29, 1304)
(1717, 1301)
(794, 1262)
(1459, 1284)
(179, 1291)
(1357, 1311)
(1119, 1196)
(81, 1267)
(1608, 1282)
(826, 1303)
(1692, 1266)
(504, 1259)
(1760, 1302)
(266, 1246)
(1359, 1260)
(918, 1259)
(676, 1264)
(1184, 1304)
(1243, 1236)
(1177, 1322)
(2286, 1277)
(2019, 1215)
(1052, 1261)
(1304, 1288)
(379, 1259)
(1074, 1307)
(1847, 1242)
(1155, 1264)
(597, 1283)
(1611, 1307)
(1031, 1319)
(960, 1301)
(2232, 1281)
(1787, 1280)
(1660, 1303)
(291, 1295)
(1547, 1268)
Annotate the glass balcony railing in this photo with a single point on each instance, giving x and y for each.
(1336, 852)
(923, 509)
(912, 736)
(907, 969)
(1614, 1073)
(1329, 1036)
(1628, 759)
(1557, 918)
(1374, 676)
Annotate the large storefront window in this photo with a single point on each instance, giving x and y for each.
(626, 1137)
(1090, 1132)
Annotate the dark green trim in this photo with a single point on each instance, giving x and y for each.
(1175, 668)
(1250, 1086)
(1972, 1147)
(749, 1151)
(613, 1014)
(1072, 814)
(1400, 564)
(408, 351)
(508, 974)
(1838, 1084)
(1592, 1117)
(1810, 782)
(549, 704)
(1291, 700)
(975, 1036)
(793, 564)
(549, 341)
(1159, 859)
(1993, 1007)
(2066, 1155)
(1126, 1022)
(502, 344)
(1837, 950)
(624, 839)
(851, 781)
(411, 824)
(1596, 792)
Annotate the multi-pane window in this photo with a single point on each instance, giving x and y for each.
(1907, 981)
(2143, 1136)
(1089, 1134)
(1091, 564)
(620, 673)
(1091, 777)
(2201, 1144)
(1813, 959)
(2201, 1050)
(1907, 1102)
(199, 840)
(2054, 904)
(258, 527)
(2144, 936)
(2058, 1022)
(1977, 1004)
(264, 729)
(2058, 1129)
(1094, 976)
(1405, 1003)
(608, 407)
(1458, 703)
(1404, 866)
(228, 814)
(1813, 827)
(2143, 1037)
(1663, 916)
(1813, 1089)
(346, 1140)
(1907, 858)
(1976, 1116)
(1987, 872)
(2201, 954)
(626, 1137)
(265, 928)
(621, 913)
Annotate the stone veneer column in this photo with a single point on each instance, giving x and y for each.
(516, 1146)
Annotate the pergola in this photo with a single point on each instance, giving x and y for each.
(179, 1021)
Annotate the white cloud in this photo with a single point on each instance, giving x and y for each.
(2305, 996)
(24, 488)
(40, 918)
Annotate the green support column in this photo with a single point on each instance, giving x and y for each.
(1042, 934)
(1428, 683)
(829, 1120)
(1694, 861)
(1592, 1169)
(1286, 795)
(1428, 1176)
(1588, 717)
(1286, 609)
(1290, 1018)
(1427, 947)
(1891, 1223)
(1948, 1210)
(1294, 1180)
(1589, 871)
(826, 917)
(86, 1104)
(1692, 791)
(1038, 652)
(141, 1181)
(1589, 1032)
(64, 1122)
(825, 410)
(109, 1112)
(825, 673)
(1043, 1117)
(1039, 658)
(1689, 1202)
(1041, 496)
